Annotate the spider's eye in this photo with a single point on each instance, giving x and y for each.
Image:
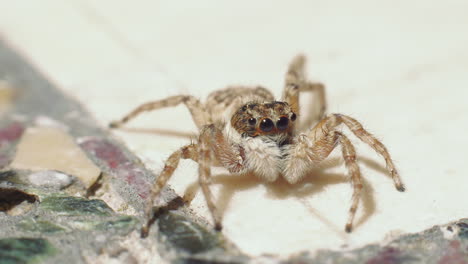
(252, 121)
(293, 117)
(266, 125)
(282, 123)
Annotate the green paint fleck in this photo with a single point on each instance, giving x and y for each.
(40, 226)
(25, 250)
(187, 235)
(68, 205)
(123, 223)
(463, 234)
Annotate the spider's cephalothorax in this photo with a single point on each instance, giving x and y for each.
(264, 119)
(264, 138)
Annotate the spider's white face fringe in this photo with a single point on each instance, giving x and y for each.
(262, 137)
(263, 156)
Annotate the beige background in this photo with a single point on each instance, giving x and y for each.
(400, 67)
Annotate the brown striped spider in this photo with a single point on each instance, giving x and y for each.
(263, 137)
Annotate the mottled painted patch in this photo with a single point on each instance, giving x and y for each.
(25, 250)
(11, 132)
(105, 151)
(463, 234)
(7, 175)
(40, 226)
(114, 225)
(123, 223)
(454, 254)
(5, 159)
(390, 255)
(8, 137)
(194, 260)
(186, 235)
(114, 158)
(68, 205)
(134, 177)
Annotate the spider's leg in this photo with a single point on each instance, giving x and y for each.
(349, 156)
(320, 102)
(199, 114)
(204, 179)
(374, 143)
(295, 83)
(186, 152)
(315, 147)
(317, 144)
(215, 149)
(317, 139)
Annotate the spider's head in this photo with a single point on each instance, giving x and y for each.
(263, 119)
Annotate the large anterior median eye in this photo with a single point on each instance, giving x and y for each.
(266, 125)
(282, 123)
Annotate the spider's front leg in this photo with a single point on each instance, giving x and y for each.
(215, 149)
(171, 164)
(199, 114)
(318, 143)
(349, 156)
(329, 125)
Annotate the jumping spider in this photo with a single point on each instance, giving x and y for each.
(263, 137)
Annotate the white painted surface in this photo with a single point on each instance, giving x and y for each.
(400, 67)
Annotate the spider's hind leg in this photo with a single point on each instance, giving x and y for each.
(199, 114)
(293, 81)
(296, 83)
(320, 104)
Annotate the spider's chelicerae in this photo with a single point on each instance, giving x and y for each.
(245, 130)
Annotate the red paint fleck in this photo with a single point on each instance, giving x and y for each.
(121, 166)
(388, 255)
(134, 177)
(454, 254)
(8, 135)
(11, 133)
(106, 152)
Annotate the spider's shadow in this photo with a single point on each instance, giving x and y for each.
(317, 182)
